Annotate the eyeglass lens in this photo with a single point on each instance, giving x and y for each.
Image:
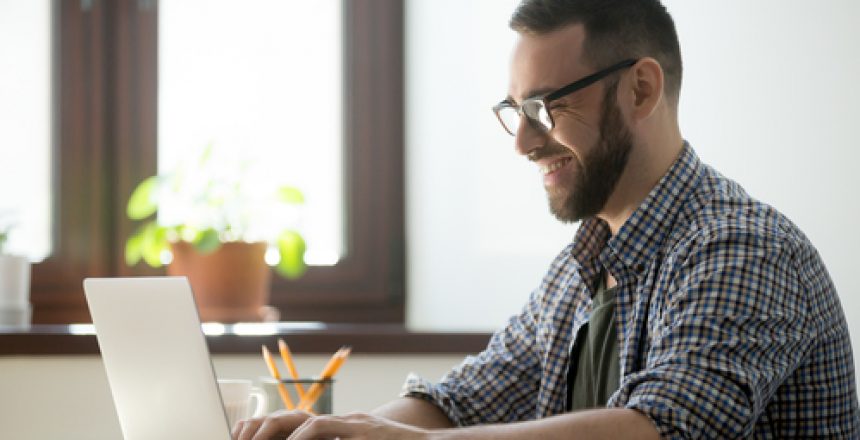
(534, 110)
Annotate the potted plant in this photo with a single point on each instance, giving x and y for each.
(216, 221)
(15, 306)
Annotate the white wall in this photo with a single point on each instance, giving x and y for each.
(769, 98)
(479, 233)
(68, 397)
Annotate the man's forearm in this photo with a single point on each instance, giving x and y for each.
(415, 412)
(592, 424)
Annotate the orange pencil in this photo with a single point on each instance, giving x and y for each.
(291, 367)
(273, 370)
(328, 372)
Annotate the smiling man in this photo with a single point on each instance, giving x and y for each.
(683, 308)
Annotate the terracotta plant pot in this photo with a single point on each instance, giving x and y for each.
(231, 284)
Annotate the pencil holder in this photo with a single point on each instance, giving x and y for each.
(321, 387)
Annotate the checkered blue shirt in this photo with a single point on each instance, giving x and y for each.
(729, 325)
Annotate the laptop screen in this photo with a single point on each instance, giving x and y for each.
(156, 359)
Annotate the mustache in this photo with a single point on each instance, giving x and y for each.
(551, 149)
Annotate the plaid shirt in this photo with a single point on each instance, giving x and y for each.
(729, 325)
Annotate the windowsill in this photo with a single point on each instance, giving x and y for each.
(304, 337)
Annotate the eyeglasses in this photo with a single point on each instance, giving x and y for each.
(536, 109)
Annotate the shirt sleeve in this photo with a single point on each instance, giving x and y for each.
(734, 326)
(498, 385)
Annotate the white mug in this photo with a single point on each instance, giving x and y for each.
(14, 282)
(236, 394)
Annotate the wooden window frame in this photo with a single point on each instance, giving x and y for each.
(105, 80)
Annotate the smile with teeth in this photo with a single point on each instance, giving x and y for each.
(554, 166)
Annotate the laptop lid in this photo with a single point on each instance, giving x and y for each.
(156, 359)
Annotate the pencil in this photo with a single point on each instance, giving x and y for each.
(328, 372)
(273, 370)
(291, 367)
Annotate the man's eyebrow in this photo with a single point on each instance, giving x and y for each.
(540, 92)
(532, 94)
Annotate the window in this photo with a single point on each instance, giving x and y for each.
(108, 139)
(264, 94)
(25, 127)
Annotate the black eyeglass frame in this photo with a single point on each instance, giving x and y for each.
(541, 103)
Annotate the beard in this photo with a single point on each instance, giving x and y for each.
(597, 175)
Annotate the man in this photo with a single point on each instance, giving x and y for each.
(682, 309)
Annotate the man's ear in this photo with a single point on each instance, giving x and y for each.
(645, 88)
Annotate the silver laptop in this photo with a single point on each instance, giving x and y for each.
(156, 359)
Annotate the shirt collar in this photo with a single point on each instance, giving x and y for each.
(642, 234)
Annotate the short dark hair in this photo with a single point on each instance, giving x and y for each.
(615, 30)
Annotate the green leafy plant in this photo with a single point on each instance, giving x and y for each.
(4, 235)
(213, 200)
(6, 226)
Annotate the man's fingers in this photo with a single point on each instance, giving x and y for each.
(237, 429)
(276, 425)
(355, 426)
(327, 427)
(245, 429)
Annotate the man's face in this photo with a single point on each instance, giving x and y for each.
(584, 155)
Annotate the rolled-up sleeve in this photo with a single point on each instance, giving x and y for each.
(734, 326)
(498, 385)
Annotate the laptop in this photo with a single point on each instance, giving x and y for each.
(156, 359)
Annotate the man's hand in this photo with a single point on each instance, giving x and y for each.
(356, 426)
(299, 425)
(276, 425)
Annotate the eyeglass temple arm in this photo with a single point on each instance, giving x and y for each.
(589, 80)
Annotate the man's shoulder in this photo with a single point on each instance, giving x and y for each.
(720, 212)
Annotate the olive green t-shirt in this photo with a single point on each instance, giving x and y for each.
(594, 360)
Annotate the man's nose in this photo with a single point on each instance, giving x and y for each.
(528, 138)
